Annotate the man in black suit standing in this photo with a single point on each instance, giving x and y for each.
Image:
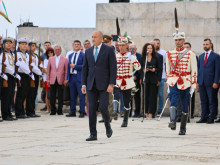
(98, 80)
(137, 77)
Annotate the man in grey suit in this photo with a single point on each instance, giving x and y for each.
(98, 80)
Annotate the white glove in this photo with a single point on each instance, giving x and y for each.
(191, 91)
(32, 64)
(17, 63)
(31, 75)
(41, 66)
(17, 76)
(4, 76)
(130, 56)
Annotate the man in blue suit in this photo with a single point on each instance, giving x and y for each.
(74, 79)
(98, 80)
(208, 78)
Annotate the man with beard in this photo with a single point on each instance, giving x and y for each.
(208, 79)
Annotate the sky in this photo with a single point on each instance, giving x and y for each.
(53, 13)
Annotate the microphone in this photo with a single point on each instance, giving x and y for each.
(147, 53)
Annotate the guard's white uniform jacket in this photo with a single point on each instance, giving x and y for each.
(124, 79)
(23, 63)
(185, 72)
(34, 64)
(9, 64)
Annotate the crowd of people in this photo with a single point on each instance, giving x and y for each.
(84, 73)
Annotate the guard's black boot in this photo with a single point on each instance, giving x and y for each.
(115, 109)
(125, 120)
(172, 123)
(183, 124)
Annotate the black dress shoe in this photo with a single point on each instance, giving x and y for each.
(210, 121)
(135, 116)
(44, 108)
(8, 119)
(71, 115)
(1, 120)
(59, 113)
(178, 119)
(36, 115)
(21, 117)
(109, 132)
(13, 118)
(53, 113)
(91, 138)
(31, 115)
(101, 121)
(202, 121)
(217, 121)
(81, 115)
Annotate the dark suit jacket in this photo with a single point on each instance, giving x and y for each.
(103, 72)
(78, 66)
(150, 77)
(208, 74)
(138, 73)
(160, 67)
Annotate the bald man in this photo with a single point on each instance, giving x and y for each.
(98, 80)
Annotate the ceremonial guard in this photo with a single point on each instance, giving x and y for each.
(181, 72)
(36, 66)
(124, 82)
(7, 70)
(27, 78)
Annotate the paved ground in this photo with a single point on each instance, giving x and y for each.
(57, 140)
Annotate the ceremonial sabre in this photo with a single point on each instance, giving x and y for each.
(163, 108)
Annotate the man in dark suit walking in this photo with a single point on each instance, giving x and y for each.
(208, 79)
(74, 79)
(98, 80)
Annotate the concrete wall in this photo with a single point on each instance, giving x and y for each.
(146, 21)
(60, 36)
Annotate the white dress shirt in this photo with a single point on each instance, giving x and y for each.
(45, 67)
(99, 47)
(163, 53)
(57, 60)
(208, 54)
(77, 55)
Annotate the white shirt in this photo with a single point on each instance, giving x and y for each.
(45, 67)
(99, 47)
(208, 54)
(77, 55)
(68, 53)
(163, 53)
(57, 60)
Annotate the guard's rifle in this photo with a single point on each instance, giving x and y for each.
(16, 59)
(30, 67)
(5, 82)
(39, 63)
